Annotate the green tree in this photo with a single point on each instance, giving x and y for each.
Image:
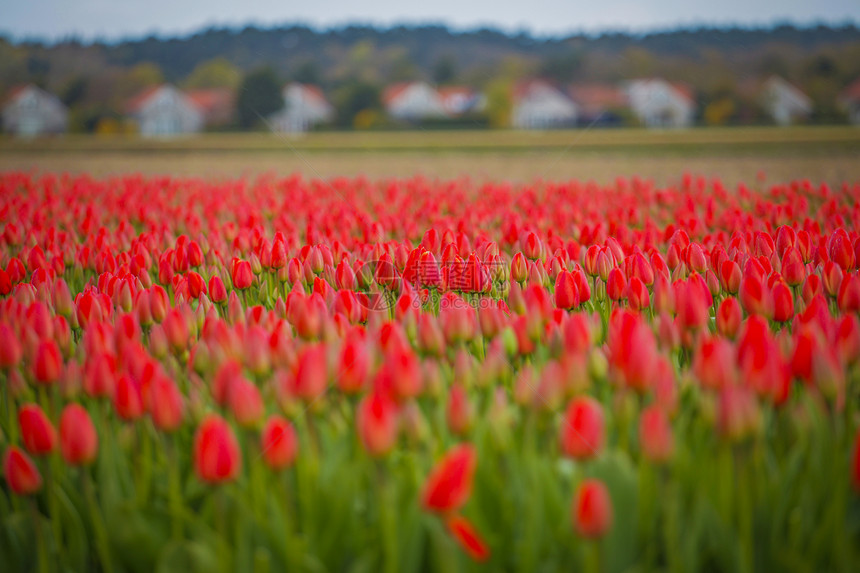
(355, 97)
(215, 73)
(563, 67)
(259, 97)
(307, 73)
(445, 69)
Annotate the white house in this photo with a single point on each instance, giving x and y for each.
(785, 103)
(539, 105)
(304, 106)
(164, 111)
(658, 103)
(849, 99)
(413, 101)
(31, 111)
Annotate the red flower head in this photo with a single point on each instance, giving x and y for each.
(279, 443)
(241, 274)
(79, 442)
(245, 402)
(37, 432)
(166, 405)
(449, 485)
(566, 291)
(217, 457)
(581, 432)
(48, 362)
(217, 291)
(592, 509)
(459, 412)
(376, 421)
(519, 268)
(729, 317)
(655, 435)
(468, 538)
(21, 473)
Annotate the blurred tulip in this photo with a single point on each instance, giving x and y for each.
(581, 432)
(21, 473)
(469, 539)
(37, 432)
(449, 484)
(376, 422)
(592, 509)
(79, 442)
(279, 443)
(217, 458)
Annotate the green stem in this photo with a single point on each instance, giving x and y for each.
(99, 528)
(40, 537)
(387, 523)
(174, 489)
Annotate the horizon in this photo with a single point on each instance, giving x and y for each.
(453, 29)
(93, 21)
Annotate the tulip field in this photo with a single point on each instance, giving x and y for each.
(409, 375)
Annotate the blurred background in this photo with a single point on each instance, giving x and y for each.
(548, 89)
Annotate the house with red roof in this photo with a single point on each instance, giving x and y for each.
(849, 99)
(305, 106)
(218, 105)
(30, 111)
(538, 104)
(659, 103)
(599, 104)
(413, 101)
(164, 111)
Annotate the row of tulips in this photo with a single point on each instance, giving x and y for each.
(417, 375)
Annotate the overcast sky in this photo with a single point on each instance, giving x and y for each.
(113, 19)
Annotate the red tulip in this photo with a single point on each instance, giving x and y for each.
(468, 538)
(241, 274)
(79, 442)
(519, 268)
(245, 403)
(655, 435)
(48, 362)
(783, 302)
(637, 294)
(376, 422)
(279, 443)
(166, 406)
(10, 350)
(217, 457)
(592, 509)
(581, 432)
(449, 485)
(729, 317)
(616, 284)
(21, 473)
(217, 291)
(566, 292)
(311, 374)
(37, 432)
(459, 411)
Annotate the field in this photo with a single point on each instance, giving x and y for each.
(733, 154)
(432, 352)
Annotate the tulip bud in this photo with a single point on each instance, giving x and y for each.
(79, 442)
(245, 403)
(279, 443)
(376, 421)
(459, 412)
(592, 509)
(217, 457)
(21, 473)
(468, 538)
(166, 405)
(449, 485)
(655, 435)
(566, 291)
(581, 432)
(48, 362)
(127, 399)
(37, 432)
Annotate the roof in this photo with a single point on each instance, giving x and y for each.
(208, 100)
(394, 91)
(597, 97)
(680, 88)
(786, 85)
(310, 90)
(525, 87)
(138, 101)
(454, 91)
